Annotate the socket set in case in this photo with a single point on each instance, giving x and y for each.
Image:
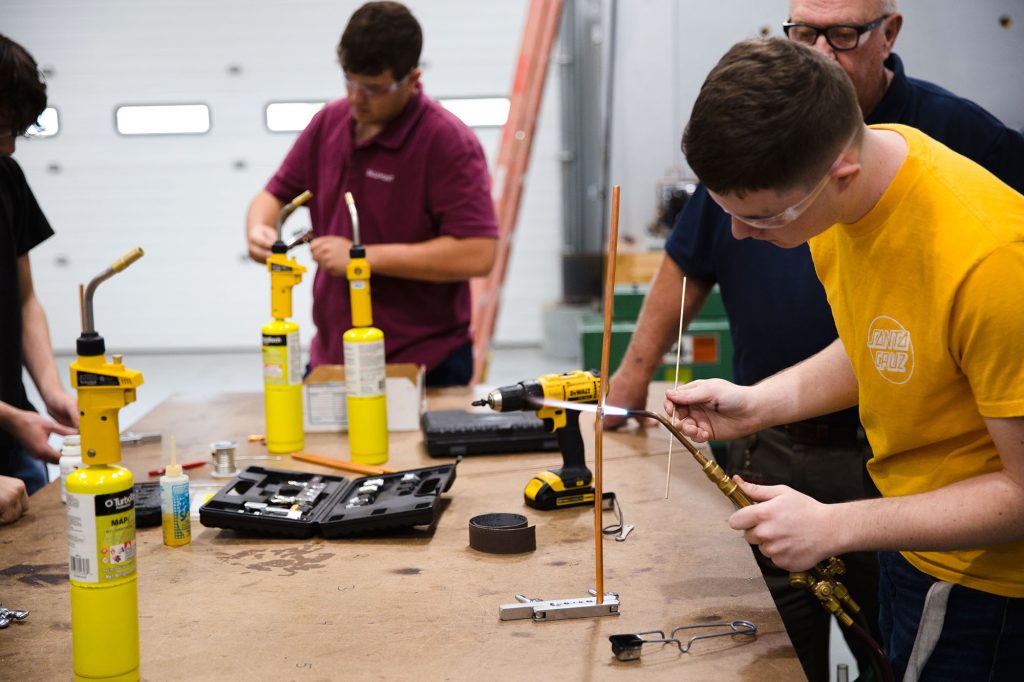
(299, 504)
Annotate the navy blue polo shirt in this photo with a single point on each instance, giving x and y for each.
(777, 309)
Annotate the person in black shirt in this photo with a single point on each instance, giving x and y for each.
(25, 336)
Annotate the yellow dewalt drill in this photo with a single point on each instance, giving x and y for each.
(571, 485)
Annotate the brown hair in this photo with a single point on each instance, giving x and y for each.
(378, 37)
(772, 114)
(22, 90)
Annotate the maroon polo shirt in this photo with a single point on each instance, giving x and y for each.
(423, 176)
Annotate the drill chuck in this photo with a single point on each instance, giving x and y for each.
(515, 398)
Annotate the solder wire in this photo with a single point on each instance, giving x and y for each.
(679, 348)
(224, 459)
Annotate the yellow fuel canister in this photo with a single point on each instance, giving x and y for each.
(102, 569)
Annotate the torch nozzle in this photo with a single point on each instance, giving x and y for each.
(88, 324)
(289, 208)
(351, 202)
(127, 259)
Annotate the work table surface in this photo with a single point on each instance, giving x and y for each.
(421, 605)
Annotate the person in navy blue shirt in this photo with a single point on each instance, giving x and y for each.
(777, 310)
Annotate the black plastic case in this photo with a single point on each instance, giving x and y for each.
(447, 433)
(327, 505)
(147, 504)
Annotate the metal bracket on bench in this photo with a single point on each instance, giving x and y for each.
(560, 609)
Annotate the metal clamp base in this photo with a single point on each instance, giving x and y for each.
(560, 609)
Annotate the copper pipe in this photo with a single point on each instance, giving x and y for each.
(606, 340)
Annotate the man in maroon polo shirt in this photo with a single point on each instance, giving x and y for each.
(420, 181)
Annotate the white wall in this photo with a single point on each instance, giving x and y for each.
(667, 47)
(183, 199)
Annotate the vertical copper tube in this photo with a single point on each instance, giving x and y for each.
(606, 340)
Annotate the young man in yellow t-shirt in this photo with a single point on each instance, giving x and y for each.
(921, 253)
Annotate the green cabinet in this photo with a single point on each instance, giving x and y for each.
(706, 345)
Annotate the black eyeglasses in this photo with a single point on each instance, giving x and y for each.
(842, 37)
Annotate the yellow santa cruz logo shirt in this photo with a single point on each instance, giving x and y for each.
(926, 291)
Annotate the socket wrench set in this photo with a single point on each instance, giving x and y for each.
(299, 504)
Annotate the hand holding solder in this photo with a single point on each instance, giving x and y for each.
(709, 409)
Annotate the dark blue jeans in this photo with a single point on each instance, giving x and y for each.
(19, 464)
(456, 370)
(982, 637)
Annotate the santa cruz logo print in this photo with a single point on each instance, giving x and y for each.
(891, 349)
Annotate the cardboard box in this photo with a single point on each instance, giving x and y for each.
(636, 267)
(323, 398)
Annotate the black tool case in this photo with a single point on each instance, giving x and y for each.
(448, 433)
(300, 504)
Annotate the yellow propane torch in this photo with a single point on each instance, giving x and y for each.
(365, 372)
(101, 510)
(282, 357)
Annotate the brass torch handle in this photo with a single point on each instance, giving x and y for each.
(822, 581)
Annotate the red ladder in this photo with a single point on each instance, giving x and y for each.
(543, 17)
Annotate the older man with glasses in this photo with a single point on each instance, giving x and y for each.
(777, 309)
(419, 178)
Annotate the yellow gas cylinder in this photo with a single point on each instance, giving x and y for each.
(101, 509)
(365, 398)
(282, 386)
(282, 359)
(104, 591)
(365, 369)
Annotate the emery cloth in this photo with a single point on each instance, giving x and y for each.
(502, 533)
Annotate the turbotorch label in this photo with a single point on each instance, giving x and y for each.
(365, 372)
(101, 536)
(281, 359)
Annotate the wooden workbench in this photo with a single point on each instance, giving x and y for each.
(422, 606)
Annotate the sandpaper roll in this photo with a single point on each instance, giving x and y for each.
(502, 533)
